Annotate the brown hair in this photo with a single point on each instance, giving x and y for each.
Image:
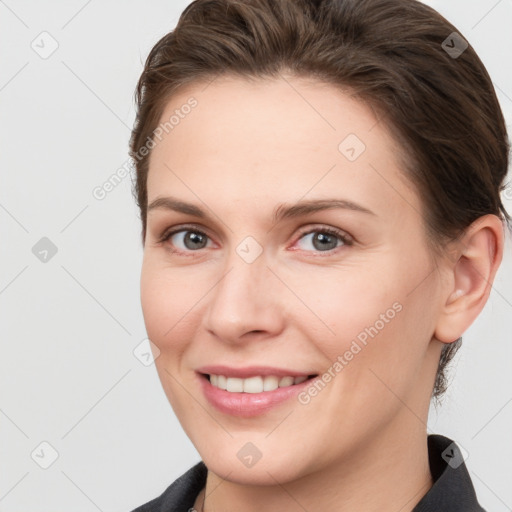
(398, 56)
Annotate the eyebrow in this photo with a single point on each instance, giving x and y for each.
(282, 211)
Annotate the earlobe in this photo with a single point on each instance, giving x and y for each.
(471, 277)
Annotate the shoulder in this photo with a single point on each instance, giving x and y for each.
(181, 494)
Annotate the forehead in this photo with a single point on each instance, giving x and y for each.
(274, 138)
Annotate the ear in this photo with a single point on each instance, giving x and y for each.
(471, 272)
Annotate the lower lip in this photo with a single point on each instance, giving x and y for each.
(248, 404)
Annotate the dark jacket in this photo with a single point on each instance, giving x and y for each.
(452, 491)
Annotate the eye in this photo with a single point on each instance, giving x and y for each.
(324, 239)
(319, 239)
(186, 239)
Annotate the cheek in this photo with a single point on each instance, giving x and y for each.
(167, 301)
(374, 317)
(170, 320)
(344, 304)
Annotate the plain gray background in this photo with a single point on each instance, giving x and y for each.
(70, 324)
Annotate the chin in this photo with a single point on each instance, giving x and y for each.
(261, 473)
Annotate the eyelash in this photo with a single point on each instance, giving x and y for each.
(343, 237)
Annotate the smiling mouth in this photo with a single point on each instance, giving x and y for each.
(255, 384)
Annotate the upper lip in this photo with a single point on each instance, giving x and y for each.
(250, 371)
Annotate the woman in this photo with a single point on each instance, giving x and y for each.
(319, 186)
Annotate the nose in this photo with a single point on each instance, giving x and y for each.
(246, 303)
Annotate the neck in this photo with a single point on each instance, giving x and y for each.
(391, 473)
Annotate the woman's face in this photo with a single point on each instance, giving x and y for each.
(348, 293)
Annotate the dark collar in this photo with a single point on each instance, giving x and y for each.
(452, 490)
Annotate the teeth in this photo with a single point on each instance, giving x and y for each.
(221, 381)
(255, 384)
(286, 381)
(235, 385)
(270, 383)
(252, 385)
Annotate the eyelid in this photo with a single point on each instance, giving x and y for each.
(168, 233)
(183, 227)
(346, 239)
(324, 228)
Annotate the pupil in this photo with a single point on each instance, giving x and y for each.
(324, 237)
(194, 239)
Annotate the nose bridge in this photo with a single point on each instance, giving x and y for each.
(244, 298)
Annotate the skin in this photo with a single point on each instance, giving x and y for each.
(245, 149)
